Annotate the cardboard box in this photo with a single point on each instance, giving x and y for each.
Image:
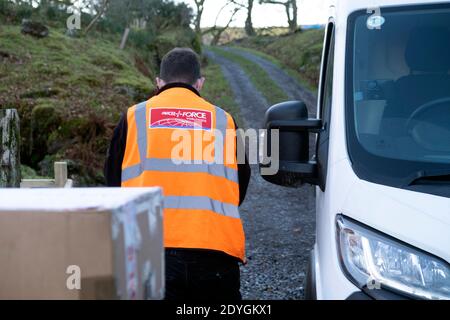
(103, 243)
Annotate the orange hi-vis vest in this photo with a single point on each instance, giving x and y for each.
(187, 146)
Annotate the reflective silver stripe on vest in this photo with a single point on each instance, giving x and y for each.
(140, 116)
(167, 165)
(201, 203)
(221, 126)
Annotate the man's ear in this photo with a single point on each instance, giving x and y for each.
(199, 83)
(160, 82)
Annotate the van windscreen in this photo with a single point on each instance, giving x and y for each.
(398, 93)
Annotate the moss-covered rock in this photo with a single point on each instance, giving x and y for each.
(46, 118)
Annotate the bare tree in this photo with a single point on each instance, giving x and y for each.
(248, 5)
(249, 30)
(291, 11)
(199, 4)
(216, 30)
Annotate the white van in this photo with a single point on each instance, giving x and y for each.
(381, 158)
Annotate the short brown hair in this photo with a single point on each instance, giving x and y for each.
(180, 65)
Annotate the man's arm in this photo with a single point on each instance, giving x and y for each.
(244, 173)
(116, 151)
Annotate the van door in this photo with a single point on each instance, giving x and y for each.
(325, 104)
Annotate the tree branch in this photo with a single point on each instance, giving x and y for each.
(99, 14)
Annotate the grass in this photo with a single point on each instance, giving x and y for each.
(300, 52)
(259, 77)
(294, 74)
(85, 72)
(217, 90)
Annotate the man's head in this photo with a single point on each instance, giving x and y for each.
(181, 65)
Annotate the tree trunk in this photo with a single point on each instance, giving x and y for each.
(293, 25)
(198, 16)
(124, 38)
(216, 38)
(99, 14)
(9, 149)
(249, 30)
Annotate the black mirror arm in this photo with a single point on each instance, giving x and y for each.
(311, 125)
(306, 169)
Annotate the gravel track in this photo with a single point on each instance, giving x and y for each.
(288, 84)
(279, 222)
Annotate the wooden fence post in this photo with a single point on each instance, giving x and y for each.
(9, 149)
(60, 174)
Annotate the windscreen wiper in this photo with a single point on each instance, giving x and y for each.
(434, 177)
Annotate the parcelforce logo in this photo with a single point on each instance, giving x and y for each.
(180, 118)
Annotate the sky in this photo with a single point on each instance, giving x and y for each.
(267, 15)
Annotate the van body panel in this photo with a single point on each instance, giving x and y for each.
(418, 219)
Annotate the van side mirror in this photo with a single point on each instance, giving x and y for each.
(295, 165)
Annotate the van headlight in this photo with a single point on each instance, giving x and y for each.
(373, 260)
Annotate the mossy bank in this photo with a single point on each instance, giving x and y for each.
(70, 93)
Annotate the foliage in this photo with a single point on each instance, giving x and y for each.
(149, 17)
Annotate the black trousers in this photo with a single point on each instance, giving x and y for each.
(201, 275)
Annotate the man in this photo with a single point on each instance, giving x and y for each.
(203, 234)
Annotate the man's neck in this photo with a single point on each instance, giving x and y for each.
(178, 85)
